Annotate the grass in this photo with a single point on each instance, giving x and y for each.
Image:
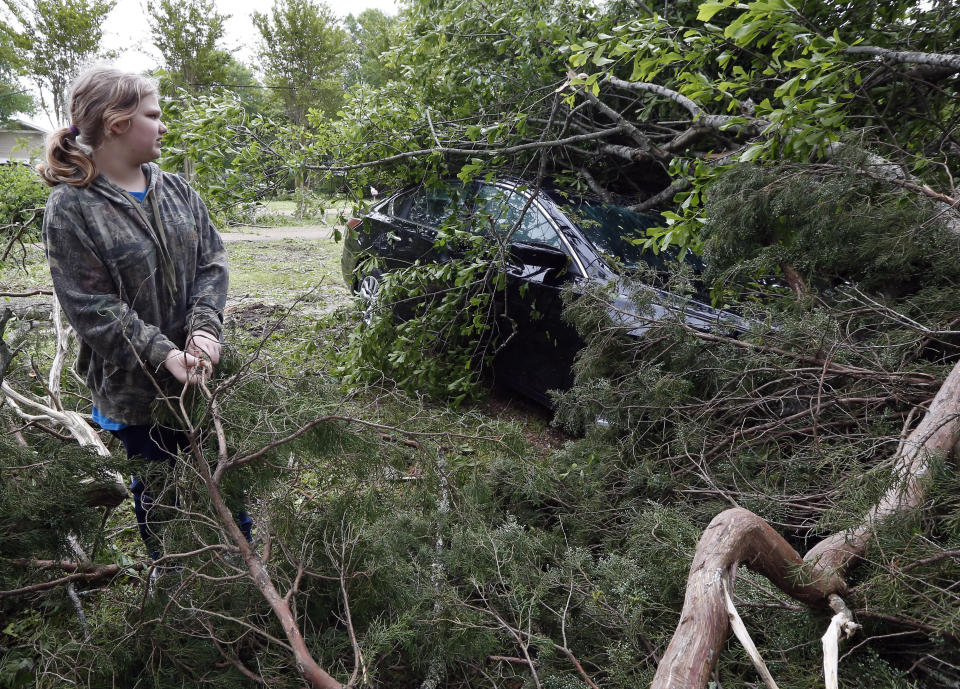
(281, 206)
(282, 271)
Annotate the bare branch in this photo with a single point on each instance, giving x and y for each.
(667, 194)
(595, 186)
(911, 57)
(734, 536)
(936, 433)
(647, 87)
(509, 150)
(623, 122)
(29, 293)
(85, 574)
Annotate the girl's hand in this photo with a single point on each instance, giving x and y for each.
(187, 368)
(204, 344)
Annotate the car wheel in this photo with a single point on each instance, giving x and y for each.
(368, 295)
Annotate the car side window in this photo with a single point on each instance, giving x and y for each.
(501, 209)
(400, 205)
(429, 207)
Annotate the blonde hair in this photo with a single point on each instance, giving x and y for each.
(100, 98)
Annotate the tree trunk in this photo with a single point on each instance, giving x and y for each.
(936, 433)
(738, 536)
(734, 536)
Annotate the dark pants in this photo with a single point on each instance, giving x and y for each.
(158, 445)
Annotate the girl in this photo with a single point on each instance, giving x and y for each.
(138, 267)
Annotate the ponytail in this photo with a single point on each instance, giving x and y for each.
(67, 162)
(100, 99)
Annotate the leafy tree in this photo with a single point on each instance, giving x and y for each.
(13, 97)
(22, 198)
(652, 107)
(373, 33)
(236, 152)
(188, 36)
(54, 40)
(255, 98)
(304, 51)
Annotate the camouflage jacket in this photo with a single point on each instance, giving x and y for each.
(132, 285)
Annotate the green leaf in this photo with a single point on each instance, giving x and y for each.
(708, 9)
(752, 153)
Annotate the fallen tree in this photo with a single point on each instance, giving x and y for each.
(539, 569)
(738, 536)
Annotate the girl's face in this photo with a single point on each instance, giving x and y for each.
(141, 138)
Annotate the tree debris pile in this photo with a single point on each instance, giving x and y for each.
(800, 419)
(809, 152)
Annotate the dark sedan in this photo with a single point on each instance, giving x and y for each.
(553, 242)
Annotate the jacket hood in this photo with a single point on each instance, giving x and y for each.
(104, 187)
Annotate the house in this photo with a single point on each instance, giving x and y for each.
(21, 141)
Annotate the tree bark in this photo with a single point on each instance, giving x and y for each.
(905, 56)
(734, 536)
(936, 433)
(737, 536)
(305, 663)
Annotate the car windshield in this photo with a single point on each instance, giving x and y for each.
(610, 229)
(510, 211)
(427, 205)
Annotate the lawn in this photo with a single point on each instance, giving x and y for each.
(283, 271)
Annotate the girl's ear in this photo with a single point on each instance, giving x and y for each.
(118, 128)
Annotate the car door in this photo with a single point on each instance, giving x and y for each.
(539, 346)
(406, 235)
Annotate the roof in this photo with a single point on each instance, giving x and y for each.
(19, 126)
(21, 141)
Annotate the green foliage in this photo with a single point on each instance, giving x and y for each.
(696, 425)
(431, 330)
(54, 40)
(372, 33)
(255, 98)
(782, 78)
(188, 35)
(39, 507)
(22, 198)
(235, 155)
(894, 243)
(13, 97)
(477, 69)
(304, 51)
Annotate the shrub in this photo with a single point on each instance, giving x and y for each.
(22, 198)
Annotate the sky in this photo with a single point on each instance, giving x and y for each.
(126, 30)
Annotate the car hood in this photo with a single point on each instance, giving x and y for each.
(658, 305)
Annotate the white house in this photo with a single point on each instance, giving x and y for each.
(21, 141)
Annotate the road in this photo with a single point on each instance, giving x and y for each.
(273, 234)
